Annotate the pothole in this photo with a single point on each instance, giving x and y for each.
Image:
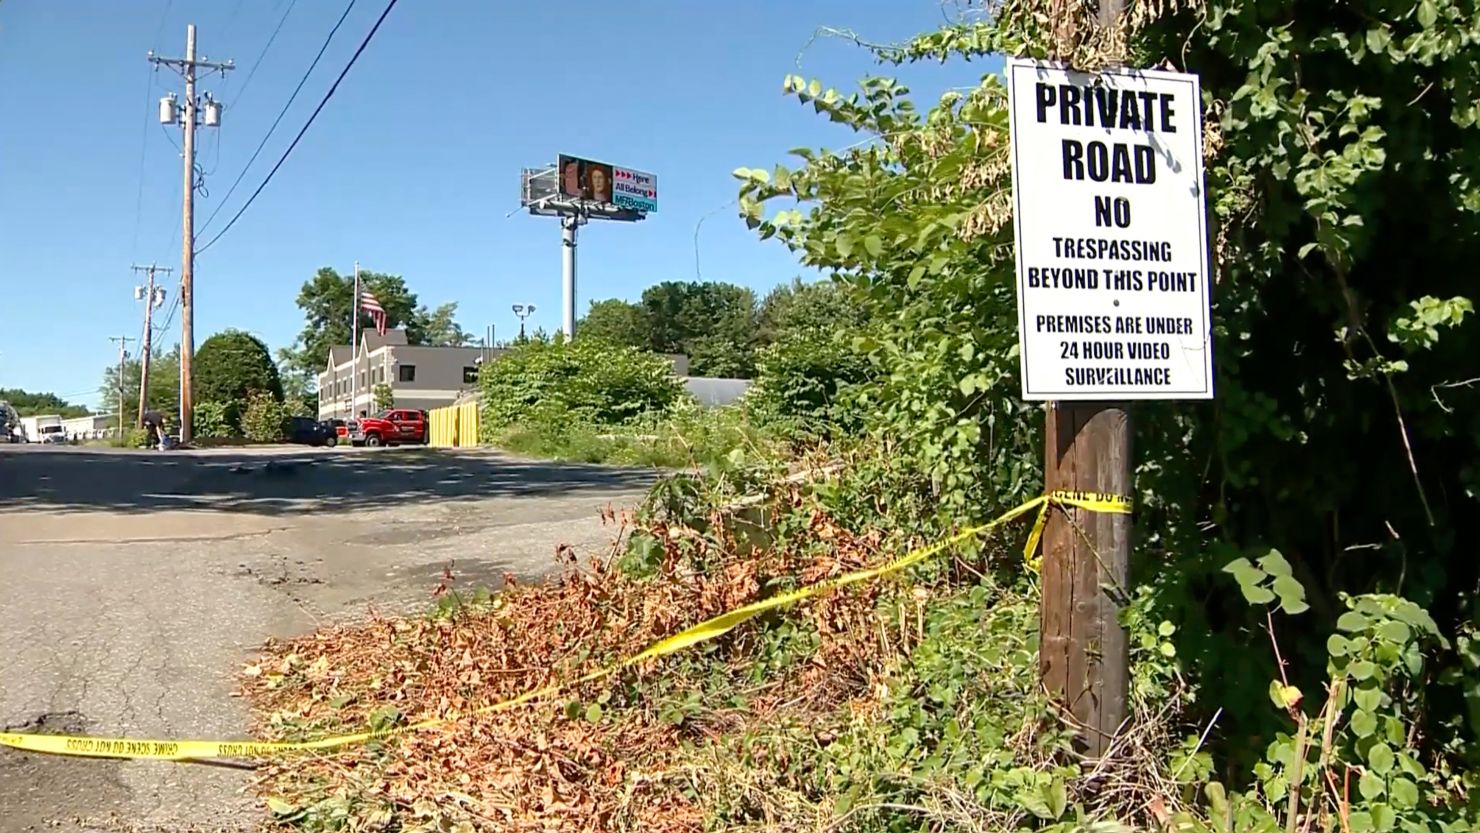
(70, 722)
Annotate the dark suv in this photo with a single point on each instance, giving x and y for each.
(309, 431)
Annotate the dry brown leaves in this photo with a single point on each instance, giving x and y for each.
(540, 767)
(1074, 31)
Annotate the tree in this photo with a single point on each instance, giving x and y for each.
(31, 404)
(555, 383)
(299, 406)
(713, 323)
(298, 384)
(231, 364)
(617, 322)
(1343, 208)
(385, 397)
(809, 365)
(164, 383)
(440, 329)
(799, 307)
(327, 301)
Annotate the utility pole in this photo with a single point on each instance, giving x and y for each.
(1083, 656)
(187, 67)
(122, 357)
(152, 298)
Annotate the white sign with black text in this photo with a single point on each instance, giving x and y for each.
(1112, 265)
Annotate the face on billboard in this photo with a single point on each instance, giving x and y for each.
(570, 177)
(598, 182)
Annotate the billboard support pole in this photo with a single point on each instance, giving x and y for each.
(568, 225)
(578, 190)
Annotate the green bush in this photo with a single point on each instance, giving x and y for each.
(131, 438)
(228, 366)
(264, 419)
(211, 420)
(685, 436)
(590, 382)
(802, 383)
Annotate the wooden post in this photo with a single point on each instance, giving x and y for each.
(1082, 653)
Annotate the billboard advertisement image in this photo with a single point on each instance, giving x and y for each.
(587, 179)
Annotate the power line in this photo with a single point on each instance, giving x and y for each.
(263, 54)
(232, 19)
(143, 156)
(215, 159)
(281, 113)
(162, 18)
(358, 52)
(216, 143)
(149, 82)
(170, 318)
(164, 128)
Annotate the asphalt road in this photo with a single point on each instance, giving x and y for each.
(134, 585)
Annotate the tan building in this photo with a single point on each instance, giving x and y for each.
(419, 377)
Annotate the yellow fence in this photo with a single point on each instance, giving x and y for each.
(455, 426)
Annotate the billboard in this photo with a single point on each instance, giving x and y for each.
(587, 179)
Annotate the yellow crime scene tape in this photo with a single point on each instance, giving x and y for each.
(183, 750)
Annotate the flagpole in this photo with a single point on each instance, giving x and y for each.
(354, 351)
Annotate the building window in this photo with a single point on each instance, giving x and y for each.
(408, 373)
(470, 374)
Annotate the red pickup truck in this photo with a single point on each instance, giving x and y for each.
(397, 426)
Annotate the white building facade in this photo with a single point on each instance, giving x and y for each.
(419, 377)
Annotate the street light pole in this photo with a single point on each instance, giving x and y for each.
(523, 311)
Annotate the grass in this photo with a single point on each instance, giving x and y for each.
(689, 436)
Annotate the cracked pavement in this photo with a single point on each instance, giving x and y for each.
(137, 584)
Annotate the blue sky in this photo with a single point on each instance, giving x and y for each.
(411, 168)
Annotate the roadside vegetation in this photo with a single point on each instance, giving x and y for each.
(1303, 610)
(604, 399)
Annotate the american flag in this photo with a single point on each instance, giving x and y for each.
(370, 304)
